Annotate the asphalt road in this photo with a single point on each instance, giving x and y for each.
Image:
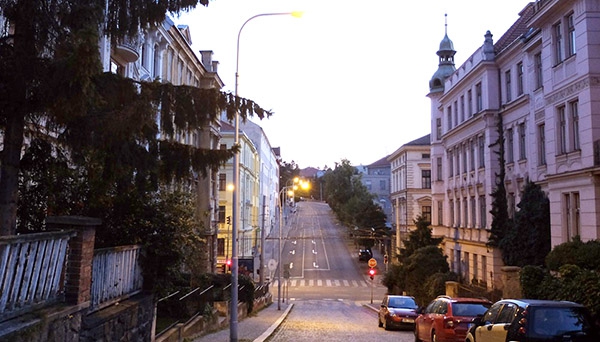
(332, 295)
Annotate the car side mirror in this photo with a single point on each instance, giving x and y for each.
(477, 320)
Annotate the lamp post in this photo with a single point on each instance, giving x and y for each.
(233, 323)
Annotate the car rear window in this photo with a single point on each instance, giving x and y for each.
(557, 321)
(469, 309)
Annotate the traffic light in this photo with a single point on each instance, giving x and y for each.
(385, 259)
(228, 219)
(228, 265)
(372, 273)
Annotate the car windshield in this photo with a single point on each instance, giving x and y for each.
(407, 303)
(469, 309)
(557, 321)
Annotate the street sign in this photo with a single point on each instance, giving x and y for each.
(372, 262)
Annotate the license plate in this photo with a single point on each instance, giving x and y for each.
(408, 320)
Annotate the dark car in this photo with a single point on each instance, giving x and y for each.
(447, 319)
(531, 320)
(364, 255)
(397, 312)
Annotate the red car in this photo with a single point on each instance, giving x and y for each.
(397, 312)
(448, 319)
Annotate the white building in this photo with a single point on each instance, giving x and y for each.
(541, 78)
(410, 188)
(165, 54)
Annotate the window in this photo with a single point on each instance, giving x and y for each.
(438, 169)
(484, 268)
(511, 205)
(472, 154)
(465, 212)
(522, 142)
(478, 97)
(438, 128)
(572, 48)
(481, 151)
(220, 246)
(571, 219)
(539, 80)
(440, 212)
(464, 157)
(562, 130)
(509, 146)
(456, 122)
(520, 75)
(450, 164)
(451, 212)
(575, 124)
(462, 108)
(426, 179)
(482, 211)
(473, 212)
(458, 212)
(470, 103)
(425, 155)
(426, 213)
(221, 214)
(542, 144)
(382, 185)
(222, 182)
(558, 43)
(449, 111)
(507, 79)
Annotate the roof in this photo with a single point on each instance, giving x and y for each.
(517, 30)
(383, 162)
(424, 140)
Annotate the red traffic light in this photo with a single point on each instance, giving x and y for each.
(372, 273)
(228, 262)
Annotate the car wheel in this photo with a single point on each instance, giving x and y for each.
(433, 336)
(385, 325)
(417, 339)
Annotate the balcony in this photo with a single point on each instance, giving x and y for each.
(127, 49)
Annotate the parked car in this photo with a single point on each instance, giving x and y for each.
(447, 319)
(364, 255)
(527, 320)
(397, 312)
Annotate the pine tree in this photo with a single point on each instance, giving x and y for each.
(51, 80)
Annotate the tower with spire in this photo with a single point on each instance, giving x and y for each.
(446, 66)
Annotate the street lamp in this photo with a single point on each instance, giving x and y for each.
(233, 323)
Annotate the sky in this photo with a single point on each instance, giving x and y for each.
(349, 79)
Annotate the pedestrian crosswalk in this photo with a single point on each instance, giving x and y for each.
(323, 282)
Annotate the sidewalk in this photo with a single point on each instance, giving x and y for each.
(257, 327)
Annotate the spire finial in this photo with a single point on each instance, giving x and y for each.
(446, 23)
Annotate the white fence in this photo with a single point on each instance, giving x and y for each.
(32, 269)
(116, 275)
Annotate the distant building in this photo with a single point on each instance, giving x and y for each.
(376, 177)
(410, 190)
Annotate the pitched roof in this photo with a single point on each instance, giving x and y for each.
(517, 30)
(381, 162)
(424, 140)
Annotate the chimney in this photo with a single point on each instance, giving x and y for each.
(207, 59)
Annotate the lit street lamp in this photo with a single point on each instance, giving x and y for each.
(233, 323)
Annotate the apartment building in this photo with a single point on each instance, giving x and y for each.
(541, 78)
(164, 53)
(410, 187)
(250, 220)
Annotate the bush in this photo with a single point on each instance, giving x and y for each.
(583, 254)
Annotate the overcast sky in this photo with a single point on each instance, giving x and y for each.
(349, 79)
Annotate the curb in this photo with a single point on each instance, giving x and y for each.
(274, 326)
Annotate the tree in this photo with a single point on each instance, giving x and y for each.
(52, 87)
(528, 241)
(500, 220)
(418, 238)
